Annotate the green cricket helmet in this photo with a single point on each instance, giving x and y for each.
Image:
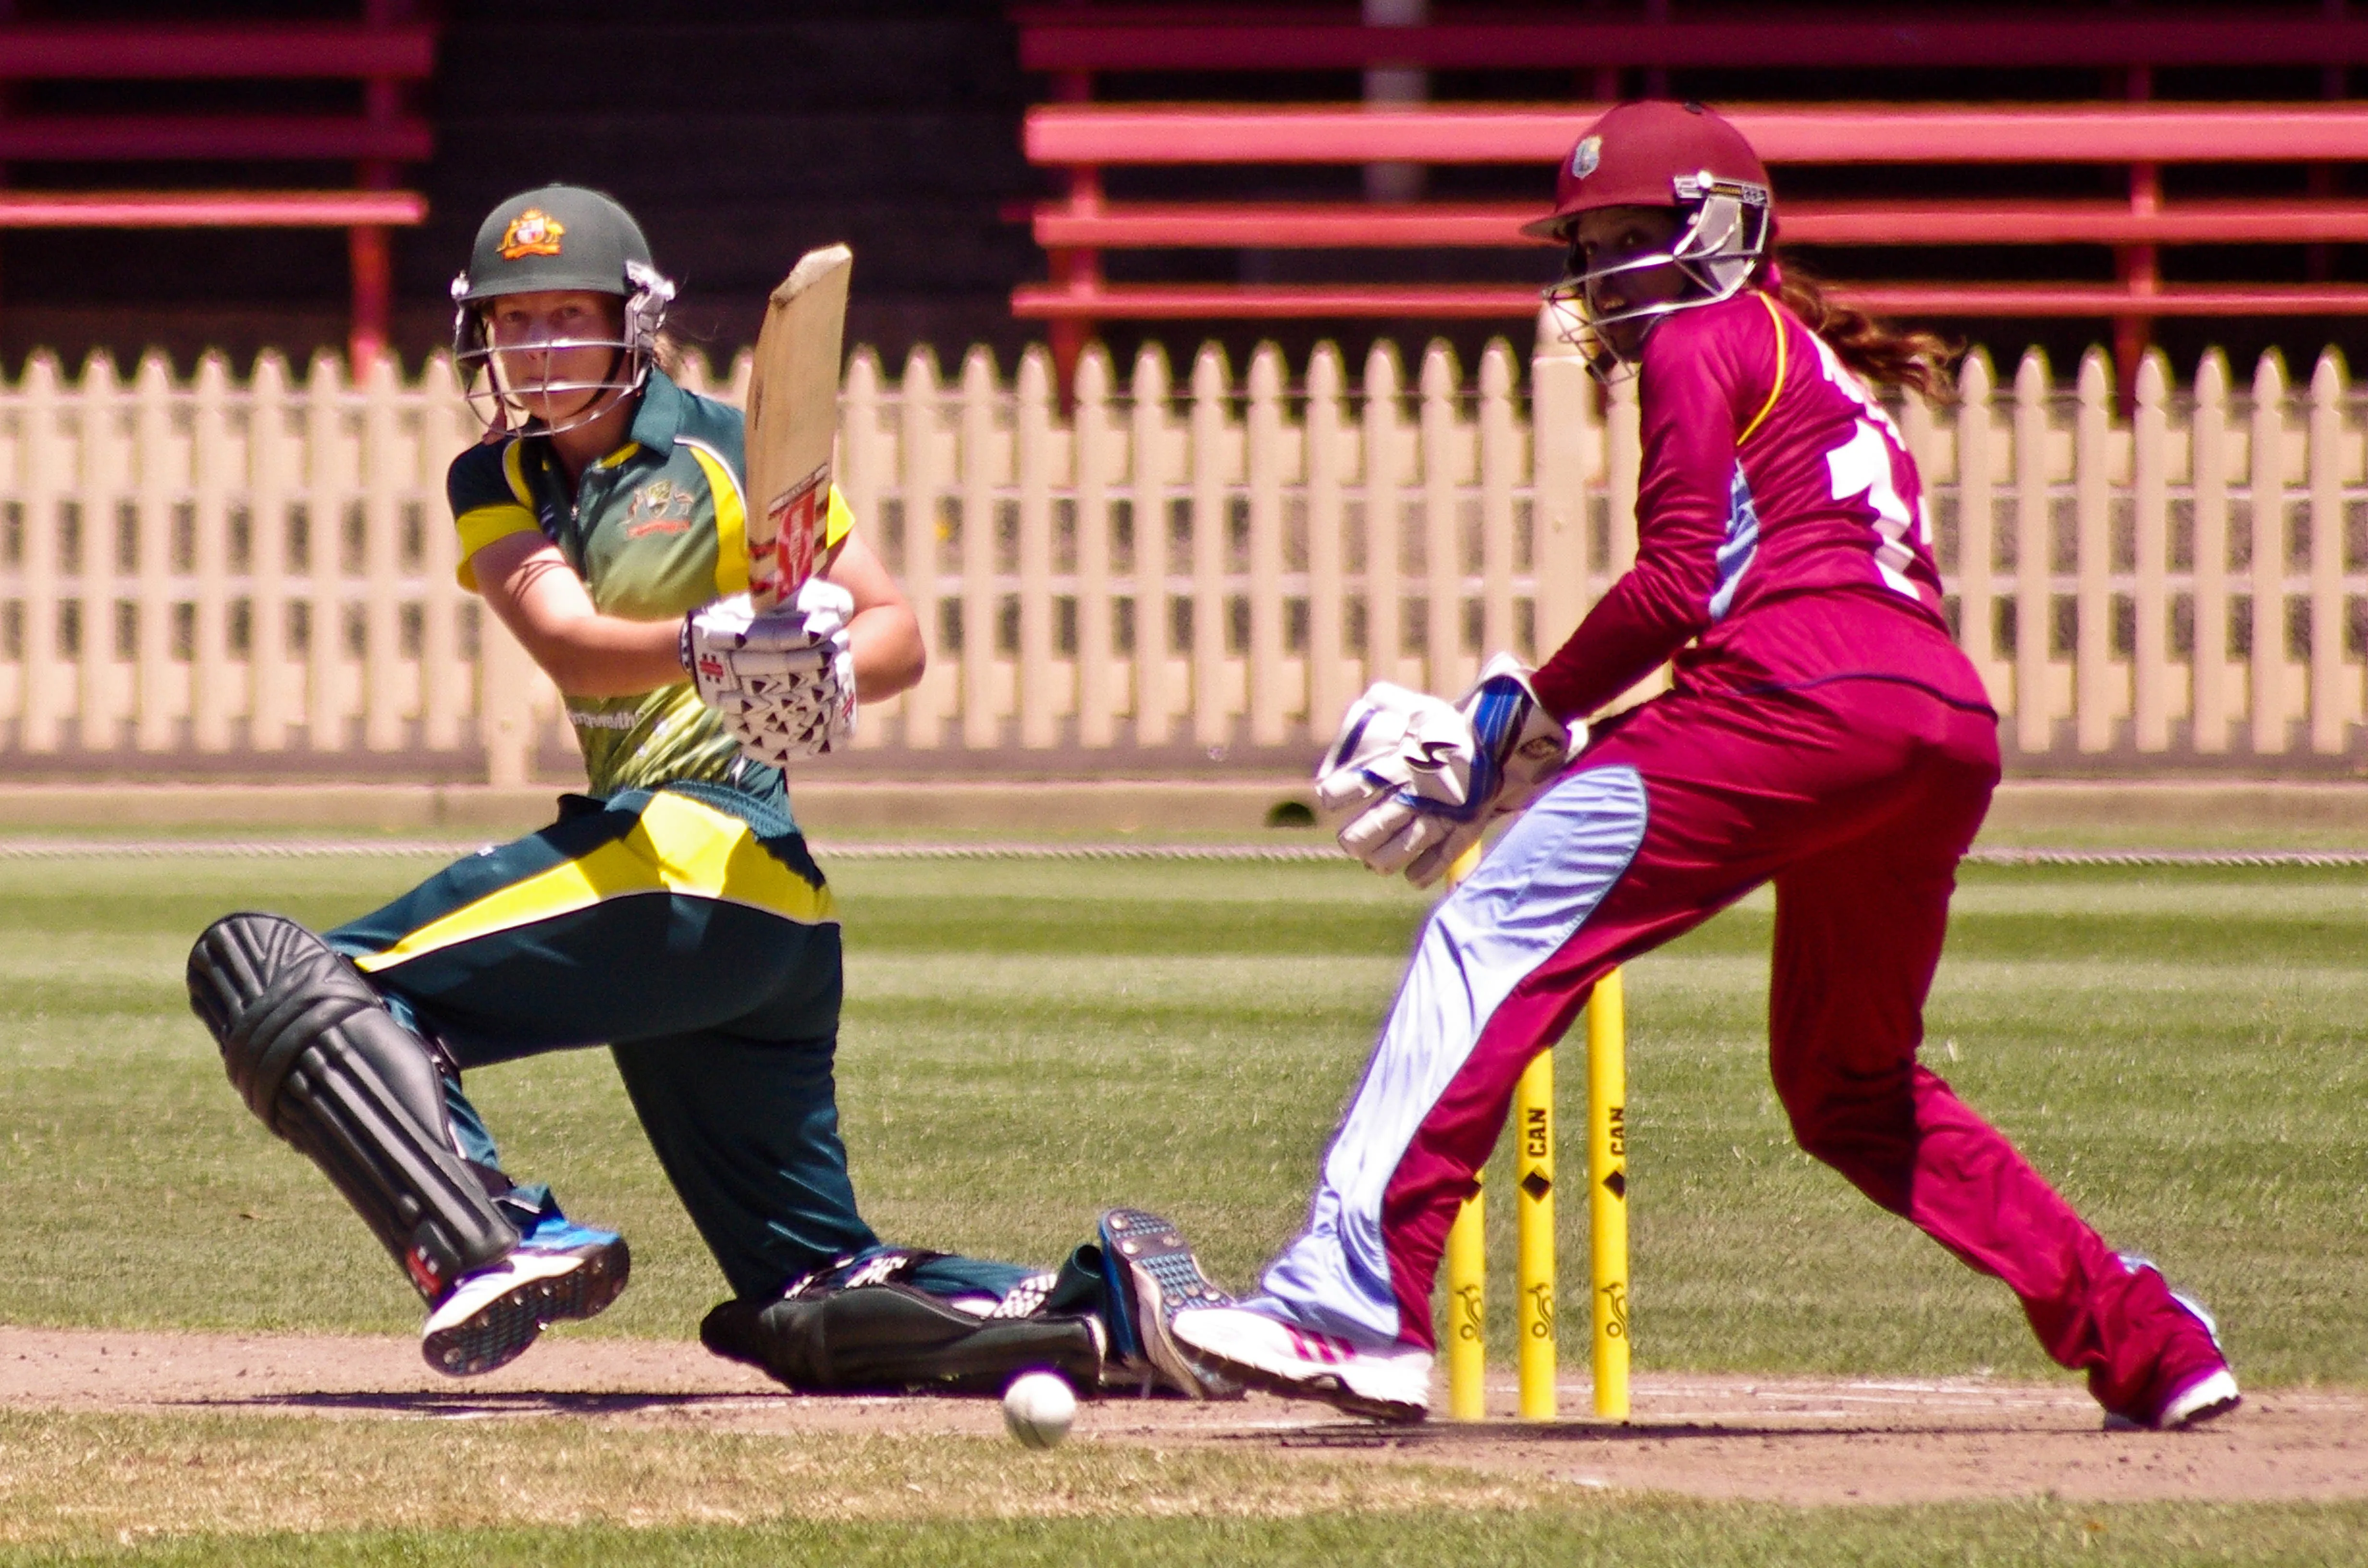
(558, 237)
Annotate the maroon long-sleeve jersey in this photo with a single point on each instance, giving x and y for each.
(1777, 509)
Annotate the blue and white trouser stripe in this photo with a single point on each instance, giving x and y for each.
(1528, 898)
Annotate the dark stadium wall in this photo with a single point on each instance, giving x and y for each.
(742, 133)
(739, 132)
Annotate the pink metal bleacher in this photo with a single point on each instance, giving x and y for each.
(1077, 44)
(383, 52)
(1094, 40)
(1091, 137)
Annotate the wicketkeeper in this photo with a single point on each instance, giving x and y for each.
(671, 913)
(1824, 733)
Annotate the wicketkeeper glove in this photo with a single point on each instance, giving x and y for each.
(783, 682)
(1425, 778)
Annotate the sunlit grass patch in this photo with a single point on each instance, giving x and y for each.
(2185, 1053)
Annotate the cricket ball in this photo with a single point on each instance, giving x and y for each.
(1037, 1408)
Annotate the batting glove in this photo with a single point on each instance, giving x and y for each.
(780, 732)
(1426, 780)
(783, 681)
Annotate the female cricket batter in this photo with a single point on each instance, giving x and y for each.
(1823, 732)
(671, 913)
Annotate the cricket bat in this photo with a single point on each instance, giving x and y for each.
(793, 422)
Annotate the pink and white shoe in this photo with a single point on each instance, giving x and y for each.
(1381, 1384)
(2213, 1394)
(2192, 1384)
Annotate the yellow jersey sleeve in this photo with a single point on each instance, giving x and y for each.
(490, 499)
(482, 528)
(840, 521)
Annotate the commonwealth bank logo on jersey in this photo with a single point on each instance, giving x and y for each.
(596, 719)
(532, 232)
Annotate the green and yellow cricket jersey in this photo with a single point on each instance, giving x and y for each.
(656, 529)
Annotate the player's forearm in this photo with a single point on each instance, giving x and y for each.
(540, 598)
(1664, 600)
(885, 641)
(605, 655)
(1621, 642)
(1656, 608)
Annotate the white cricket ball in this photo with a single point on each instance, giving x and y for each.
(1037, 1408)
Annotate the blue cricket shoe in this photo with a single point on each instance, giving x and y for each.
(558, 1271)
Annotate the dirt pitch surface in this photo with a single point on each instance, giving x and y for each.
(1801, 1440)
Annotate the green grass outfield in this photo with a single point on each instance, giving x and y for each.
(215, 1491)
(2182, 1051)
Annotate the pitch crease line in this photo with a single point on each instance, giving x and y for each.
(1276, 854)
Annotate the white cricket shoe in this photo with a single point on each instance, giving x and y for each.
(2199, 1401)
(1381, 1383)
(558, 1271)
(2192, 1383)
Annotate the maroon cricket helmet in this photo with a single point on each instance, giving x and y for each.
(1648, 153)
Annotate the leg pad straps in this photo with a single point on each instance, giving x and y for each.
(316, 1055)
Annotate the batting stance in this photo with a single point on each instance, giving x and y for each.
(1823, 733)
(671, 913)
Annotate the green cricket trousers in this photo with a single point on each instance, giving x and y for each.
(689, 930)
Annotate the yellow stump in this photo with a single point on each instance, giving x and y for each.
(1467, 1316)
(1607, 1186)
(1534, 1172)
(1467, 1272)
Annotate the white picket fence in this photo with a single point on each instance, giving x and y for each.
(264, 570)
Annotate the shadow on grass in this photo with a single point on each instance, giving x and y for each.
(1494, 1434)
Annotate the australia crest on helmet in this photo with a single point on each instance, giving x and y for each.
(532, 232)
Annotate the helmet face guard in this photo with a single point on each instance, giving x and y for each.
(1718, 247)
(502, 402)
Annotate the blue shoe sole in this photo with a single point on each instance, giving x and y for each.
(1151, 1275)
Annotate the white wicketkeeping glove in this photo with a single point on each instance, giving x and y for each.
(783, 682)
(1426, 778)
(1403, 763)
